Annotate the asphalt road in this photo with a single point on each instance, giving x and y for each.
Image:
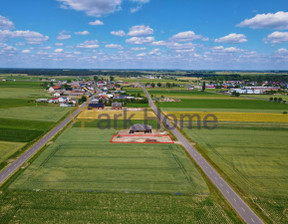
(8, 171)
(231, 196)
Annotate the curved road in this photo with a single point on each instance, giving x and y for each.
(13, 167)
(237, 203)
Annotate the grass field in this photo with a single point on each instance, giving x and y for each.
(22, 93)
(7, 149)
(284, 97)
(104, 114)
(255, 159)
(84, 159)
(40, 113)
(84, 207)
(186, 94)
(21, 84)
(233, 116)
(224, 104)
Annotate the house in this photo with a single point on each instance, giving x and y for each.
(56, 94)
(116, 106)
(140, 128)
(56, 87)
(96, 106)
(54, 100)
(51, 90)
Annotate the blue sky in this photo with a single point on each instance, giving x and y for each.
(144, 34)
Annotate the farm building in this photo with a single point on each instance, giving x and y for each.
(96, 106)
(140, 128)
(117, 106)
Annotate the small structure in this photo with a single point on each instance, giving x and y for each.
(140, 128)
(116, 106)
(96, 106)
(51, 90)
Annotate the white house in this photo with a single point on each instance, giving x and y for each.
(57, 94)
(51, 90)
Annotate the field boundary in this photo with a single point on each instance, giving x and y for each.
(112, 139)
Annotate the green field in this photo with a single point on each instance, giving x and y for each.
(7, 149)
(254, 158)
(224, 104)
(284, 97)
(84, 159)
(178, 93)
(23, 93)
(91, 207)
(20, 84)
(40, 113)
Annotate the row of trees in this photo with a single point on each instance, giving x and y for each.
(279, 100)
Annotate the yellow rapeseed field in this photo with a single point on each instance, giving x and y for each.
(236, 116)
(102, 114)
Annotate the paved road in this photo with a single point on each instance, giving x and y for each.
(237, 203)
(8, 171)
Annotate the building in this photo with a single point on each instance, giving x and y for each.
(140, 128)
(116, 106)
(96, 106)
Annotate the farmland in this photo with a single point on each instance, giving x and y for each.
(21, 119)
(224, 104)
(86, 207)
(159, 181)
(104, 114)
(255, 159)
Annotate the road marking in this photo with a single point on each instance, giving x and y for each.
(221, 184)
(227, 191)
(252, 220)
(243, 209)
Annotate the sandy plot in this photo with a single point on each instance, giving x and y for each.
(144, 139)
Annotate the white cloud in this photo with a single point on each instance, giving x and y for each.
(77, 52)
(114, 46)
(64, 36)
(119, 33)
(85, 32)
(232, 50)
(185, 36)
(30, 36)
(159, 43)
(178, 46)
(59, 44)
(140, 40)
(6, 24)
(141, 55)
(89, 44)
(277, 37)
(138, 49)
(278, 20)
(59, 50)
(93, 7)
(139, 6)
(96, 23)
(155, 52)
(141, 30)
(26, 51)
(232, 38)
(282, 51)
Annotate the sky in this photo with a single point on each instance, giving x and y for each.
(144, 34)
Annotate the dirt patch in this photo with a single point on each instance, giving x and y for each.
(144, 139)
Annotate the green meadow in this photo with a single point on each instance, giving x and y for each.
(224, 104)
(253, 158)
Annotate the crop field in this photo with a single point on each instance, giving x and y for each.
(254, 158)
(20, 84)
(7, 149)
(186, 94)
(110, 114)
(22, 93)
(86, 207)
(284, 97)
(40, 113)
(233, 116)
(84, 159)
(224, 104)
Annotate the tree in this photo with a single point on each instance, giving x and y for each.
(168, 85)
(271, 99)
(111, 78)
(280, 99)
(159, 84)
(203, 86)
(275, 99)
(236, 94)
(153, 85)
(95, 78)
